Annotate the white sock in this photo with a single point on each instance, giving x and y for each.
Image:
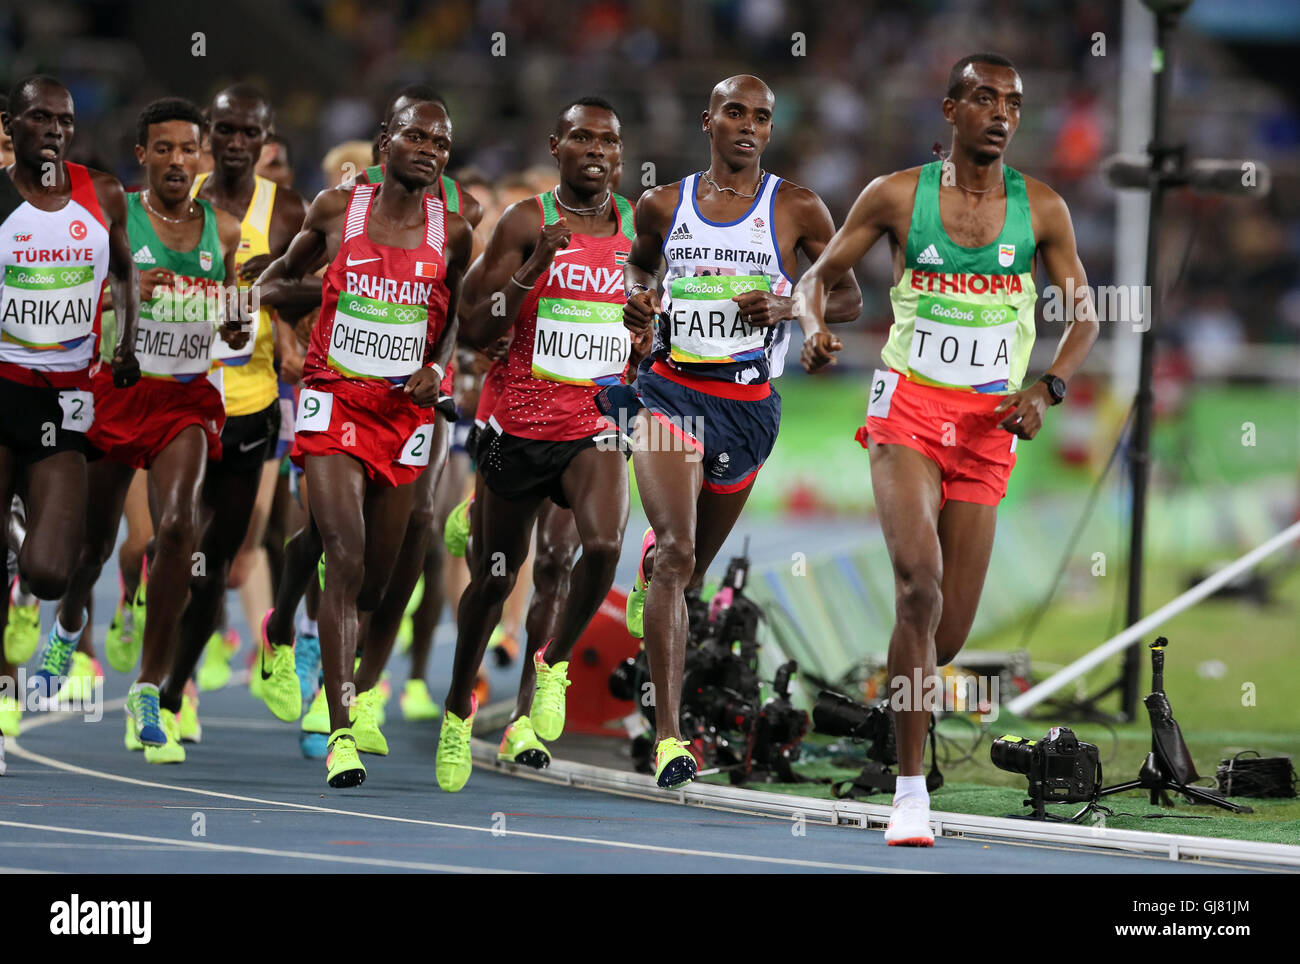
(911, 787)
(21, 598)
(72, 636)
(307, 627)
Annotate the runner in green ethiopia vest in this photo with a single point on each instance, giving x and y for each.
(964, 317)
(946, 413)
(178, 324)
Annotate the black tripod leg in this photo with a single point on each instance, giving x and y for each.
(1205, 796)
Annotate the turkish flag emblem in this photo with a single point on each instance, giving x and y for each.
(78, 230)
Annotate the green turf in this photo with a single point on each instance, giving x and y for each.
(1247, 703)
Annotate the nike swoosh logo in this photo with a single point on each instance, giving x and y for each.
(360, 261)
(261, 663)
(565, 252)
(249, 446)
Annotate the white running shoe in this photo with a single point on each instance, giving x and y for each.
(909, 826)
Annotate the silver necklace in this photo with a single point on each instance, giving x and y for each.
(144, 196)
(597, 209)
(761, 175)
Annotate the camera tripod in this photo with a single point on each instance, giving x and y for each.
(1168, 767)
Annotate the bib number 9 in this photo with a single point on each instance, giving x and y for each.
(314, 409)
(883, 384)
(78, 410)
(418, 447)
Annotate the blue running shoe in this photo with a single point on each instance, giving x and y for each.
(306, 662)
(56, 661)
(142, 707)
(314, 746)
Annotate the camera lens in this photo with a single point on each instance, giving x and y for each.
(1013, 754)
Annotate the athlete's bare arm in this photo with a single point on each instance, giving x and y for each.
(122, 278)
(517, 249)
(423, 386)
(883, 207)
(1054, 239)
(470, 209)
(316, 243)
(654, 214)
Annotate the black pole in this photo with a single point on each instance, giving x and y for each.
(1139, 448)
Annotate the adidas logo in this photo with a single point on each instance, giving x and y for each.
(145, 256)
(929, 256)
(681, 234)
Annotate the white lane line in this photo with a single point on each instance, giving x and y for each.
(26, 754)
(258, 851)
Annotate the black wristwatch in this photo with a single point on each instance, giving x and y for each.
(1055, 387)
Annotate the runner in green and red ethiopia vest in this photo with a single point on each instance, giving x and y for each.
(944, 417)
(62, 232)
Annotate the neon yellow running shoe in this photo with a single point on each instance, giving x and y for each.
(454, 761)
(365, 727)
(417, 704)
(82, 674)
(548, 699)
(636, 598)
(11, 716)
(214, 671)
(280, 689)
(138, 610)
(22, 632)
(131, 740)
(320, 571)
(675, 765)
(317, 718)
(191, 730)
(455, 534)
(119, 641)
(343, 767)
(406, 631)
(172, 751)
(520, 745)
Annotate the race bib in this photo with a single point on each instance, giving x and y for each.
(314, 409)
(883, 384)
(580, 342)
(961, 343)
(704, 323)
(49, 308)
(180, 350)
(418, 447)
(377, 339)
(78, 410)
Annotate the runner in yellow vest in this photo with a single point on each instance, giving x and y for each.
(240, 120)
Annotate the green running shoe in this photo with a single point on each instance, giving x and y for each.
(417, 704)
(454, 761)
(22, 632)
(455, 534)
(11, 716)
(520, 745)
(132, 741)
(119, 647)
(191, 730)
(79, 687)
(365, 726)
(214, 672)
(172, 751)
(406, 631)
(675, 765)
(280, 689)
(320, 571)
(636, 598)
(548, 700)
(138, 610)
(317, 719)
(343, 767)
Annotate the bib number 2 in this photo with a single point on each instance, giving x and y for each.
(78, 410)
(418, 447)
